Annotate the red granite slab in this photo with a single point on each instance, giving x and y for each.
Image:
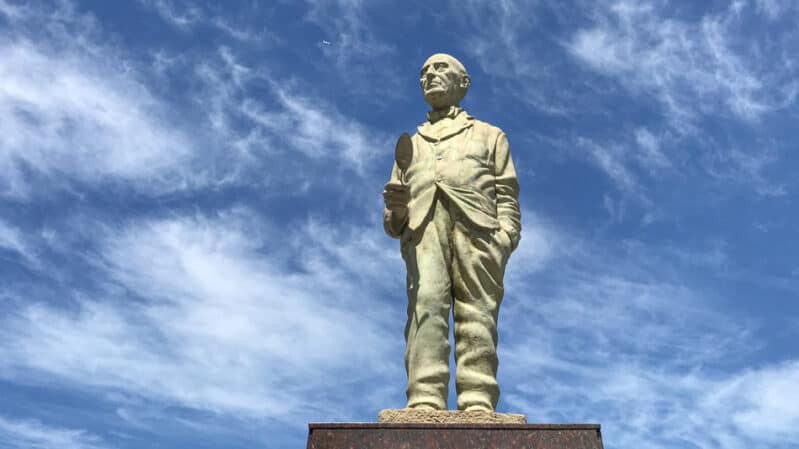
(453, 436)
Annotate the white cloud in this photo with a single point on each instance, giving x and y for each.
(614, 160)
(214, 321)
(9, 10)
(700, 70)
(745, 167)
(351, 49)
(650, 155)
(172, 13)
(775, 9)
(12, 240)
(73, 110)
(506, 40)
(612, 335)
(320, 132)
(61, 120)
(622, 161)
(31, 434)
(504, 21)
(187, 17)
(348, 31)
(539, 244)
(78, 110)
(692, 68)
(762, 402)
(288, 124)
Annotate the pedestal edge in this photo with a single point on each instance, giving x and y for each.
(373, 425)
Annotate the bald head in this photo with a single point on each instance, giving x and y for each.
(448, 58)
(444, 81)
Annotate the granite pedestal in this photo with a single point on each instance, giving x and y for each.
(453, 436)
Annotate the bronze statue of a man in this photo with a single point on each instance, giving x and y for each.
(456, 212)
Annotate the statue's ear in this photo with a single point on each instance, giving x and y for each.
(465, 82)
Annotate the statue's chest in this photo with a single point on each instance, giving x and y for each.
(453, 157)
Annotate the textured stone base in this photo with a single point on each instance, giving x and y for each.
(409, 415)
(453, 436)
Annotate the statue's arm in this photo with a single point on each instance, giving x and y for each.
(392, 223)
(507, 187)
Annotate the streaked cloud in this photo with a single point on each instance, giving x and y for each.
(285, 124)
(604, 335)
(318, 131)
(186, 16)
(74, 111)
(775, 9)
(650, 156)
(610, 158)
(203, 313)
(504, 38)
(86, 113)
(350, 37)
(12, 239)
(692, 68)
(16, 433)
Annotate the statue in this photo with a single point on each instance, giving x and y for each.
(453, 202)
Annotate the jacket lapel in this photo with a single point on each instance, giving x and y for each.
(452, 127)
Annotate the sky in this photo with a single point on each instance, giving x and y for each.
(191, 246)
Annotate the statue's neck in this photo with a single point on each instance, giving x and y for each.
(447, 112)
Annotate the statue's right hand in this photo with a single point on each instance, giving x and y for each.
(397, 196)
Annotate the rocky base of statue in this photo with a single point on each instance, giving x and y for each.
(410, 415)
(453, 436)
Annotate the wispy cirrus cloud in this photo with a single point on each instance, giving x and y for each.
(318, 131)
(287, 126)
(205, 313)
(352, 50)
(691, 71)
(692, 68)
(81, 111)
(775, 9)
(349, 35)
(181, 16)
(507, 39)
(32, 434)
(14, 241)
(703, 74)
(628, 161)
(746, 166)
(650, 154)
(612, 159)
(186, 16)
(74, 111)
(608, 334)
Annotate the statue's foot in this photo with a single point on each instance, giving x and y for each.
(431, 415)
(421, 407)
(477, 408)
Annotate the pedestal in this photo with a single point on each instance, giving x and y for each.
(453, 436)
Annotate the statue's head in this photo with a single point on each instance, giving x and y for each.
(444, 81)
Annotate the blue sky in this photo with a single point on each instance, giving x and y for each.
(191, 249)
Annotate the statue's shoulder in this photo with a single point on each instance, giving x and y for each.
(486, 129)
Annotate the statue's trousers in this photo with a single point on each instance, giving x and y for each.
(453, 265)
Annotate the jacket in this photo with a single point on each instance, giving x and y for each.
(469, 161)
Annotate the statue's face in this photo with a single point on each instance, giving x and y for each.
(443, 83)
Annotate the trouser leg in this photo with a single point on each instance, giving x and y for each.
(429, 298)
(478, 271)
